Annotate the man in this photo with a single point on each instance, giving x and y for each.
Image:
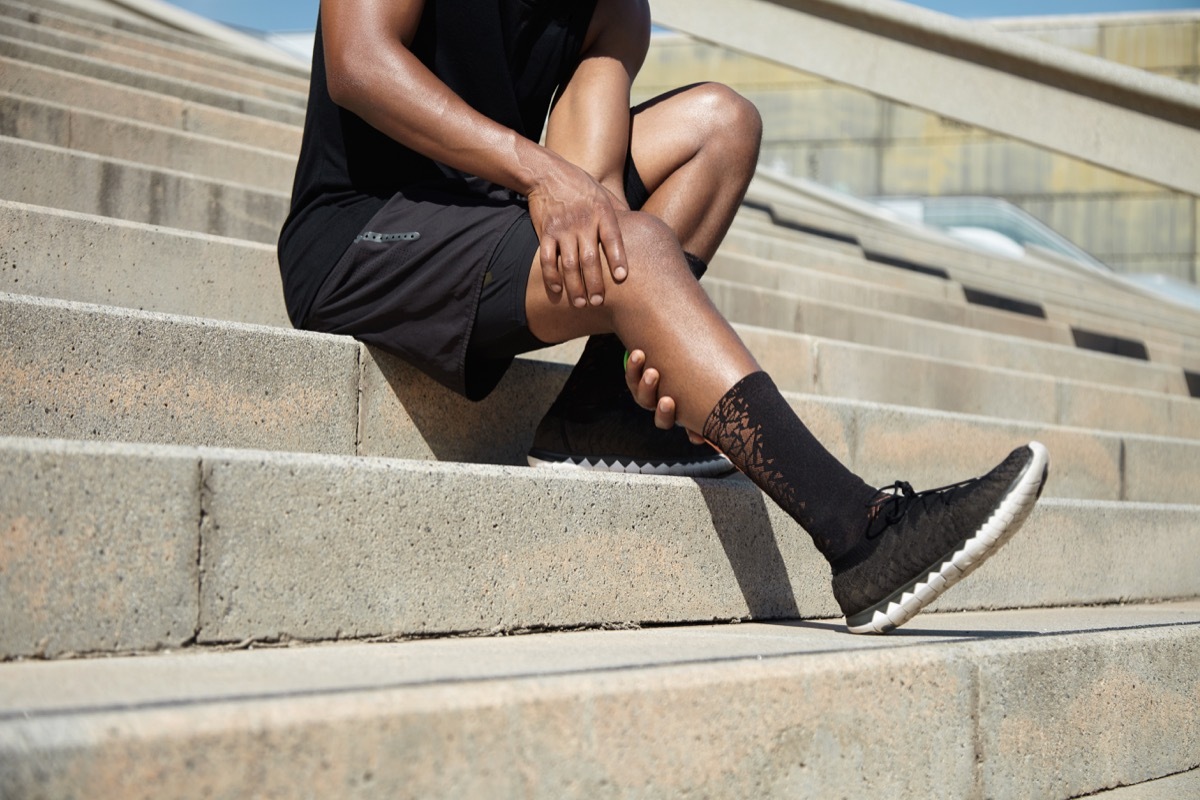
(429, 221)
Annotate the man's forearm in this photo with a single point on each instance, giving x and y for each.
(590, 125)
(373, 74)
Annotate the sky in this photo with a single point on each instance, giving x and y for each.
(300, 15)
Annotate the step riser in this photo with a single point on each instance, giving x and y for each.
(808, 284)
(749, 240)
(133, 378)
(101, 260)
(100, 553)
(1184, 348)
(319, 548)
(913, 246)
(1045, 284)
(74, 90)
(58, 178)
(750, 305)
(841, 369)
(132, 59)
(990, 722)
(149, 81)
(892, 373)
(186, 382)
(142, 378)
(103, 135)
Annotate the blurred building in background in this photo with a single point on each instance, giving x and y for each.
(874, 148)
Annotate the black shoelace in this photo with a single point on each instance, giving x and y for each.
(898, 498)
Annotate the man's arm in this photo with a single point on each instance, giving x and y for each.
(372, 73)
(590, 124)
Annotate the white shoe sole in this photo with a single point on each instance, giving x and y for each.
(906, 602)
(711, 468)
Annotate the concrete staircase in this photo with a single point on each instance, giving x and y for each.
(242, 560)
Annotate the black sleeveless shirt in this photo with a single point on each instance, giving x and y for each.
(505, 58)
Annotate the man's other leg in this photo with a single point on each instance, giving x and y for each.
(694, 150)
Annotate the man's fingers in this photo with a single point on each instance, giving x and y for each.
(694, 437)
(642, 382)
(568, 258)
(664, 413)
(633, 371)
(548, 254)
(589, 268)
(614, 245)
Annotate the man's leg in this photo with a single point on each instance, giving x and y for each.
(695, 151)
(891, 554)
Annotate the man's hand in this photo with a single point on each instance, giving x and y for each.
(576, 221)
(643, 385)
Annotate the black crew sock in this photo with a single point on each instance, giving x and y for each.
(758, 431)
(696, 264)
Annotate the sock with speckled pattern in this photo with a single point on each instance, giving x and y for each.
(754, 426)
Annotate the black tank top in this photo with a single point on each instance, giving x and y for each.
(505, 58)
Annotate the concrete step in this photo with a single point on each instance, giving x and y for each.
(56, 177)
(826, 255)
(843, 369)
(176, 545)
(227, 279)
(122, 56)
(1168, 346)
(866, 294)
(1045, 276)
(1172, 787)
(772, 277)
(849, 321)
(781, 274)
(101, 134)
(1041, 281)
(88, 372)
(59, 254)
(118, 18)
(848, 326)
(149, 80)
(229, 65)
(1168, 331)
(152, 108)
(1006, 705)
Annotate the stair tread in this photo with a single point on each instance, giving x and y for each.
(72, 688)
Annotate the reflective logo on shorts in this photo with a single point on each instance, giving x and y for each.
(371, 236)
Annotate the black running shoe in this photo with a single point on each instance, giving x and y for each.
(918, 545)
(620, 437)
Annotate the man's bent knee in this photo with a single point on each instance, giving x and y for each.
(648, 238)
(729, 115)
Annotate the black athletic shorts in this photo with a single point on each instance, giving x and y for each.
(438, 277)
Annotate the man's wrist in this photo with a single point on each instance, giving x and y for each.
(533, 164)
